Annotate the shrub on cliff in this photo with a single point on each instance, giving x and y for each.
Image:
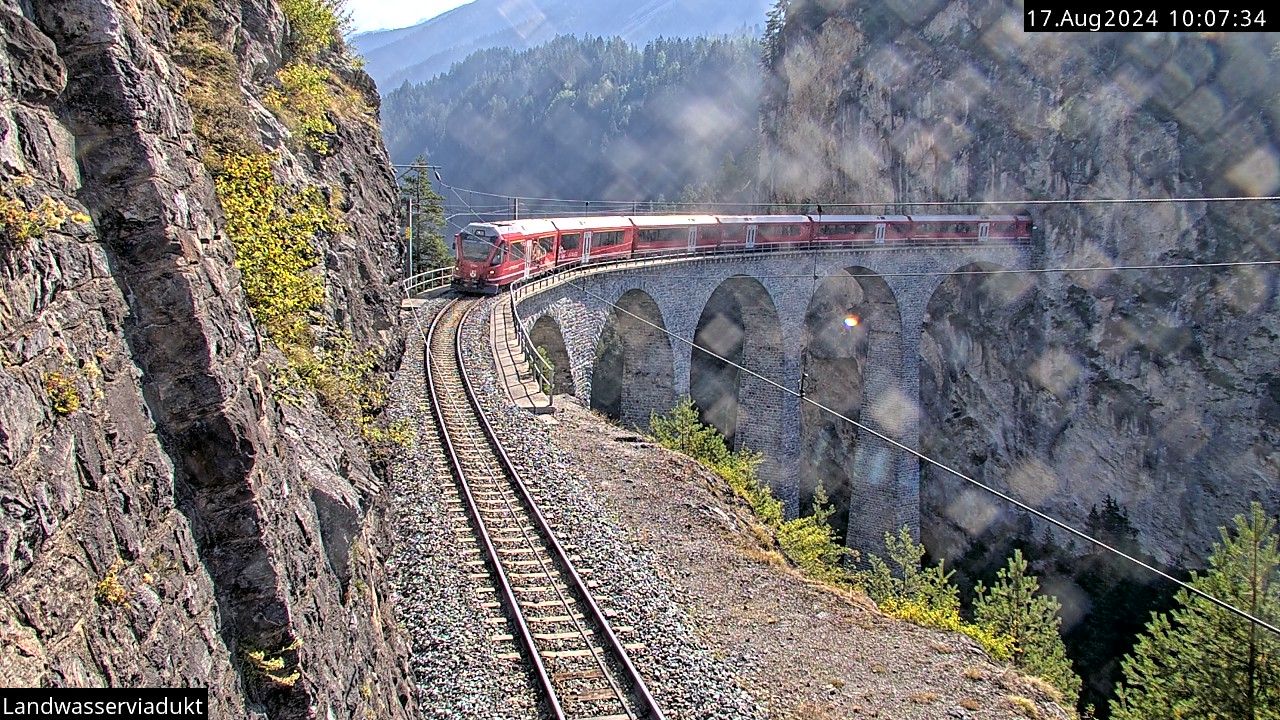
(273, 231)
(808, 542)
(314, 25)
(906, 589)
(1014, 608)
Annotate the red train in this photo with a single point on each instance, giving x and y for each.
(493, 255)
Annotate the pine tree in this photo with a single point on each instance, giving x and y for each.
(1013, 607)
(1202, 661)
(774, 23)
(427, 222)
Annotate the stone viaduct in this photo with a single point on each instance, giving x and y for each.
(784, 315)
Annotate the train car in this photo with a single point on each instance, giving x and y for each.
(479, 250)
(493, 255)
(589, 239)
(855, 230)
(668, 234)
(952, 229)
(757, 232)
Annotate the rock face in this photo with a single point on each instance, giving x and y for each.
(1160, 388)
(181, 526)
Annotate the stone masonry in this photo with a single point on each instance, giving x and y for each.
(886, 493)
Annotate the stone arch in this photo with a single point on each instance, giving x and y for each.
(634, 370)
(852, 349)
(545, 334)
(740, 323)
(969, 379)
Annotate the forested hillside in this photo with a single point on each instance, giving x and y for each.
(588, 118)
(420, 53)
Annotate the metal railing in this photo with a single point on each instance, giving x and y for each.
(427, 281)
(541, 368)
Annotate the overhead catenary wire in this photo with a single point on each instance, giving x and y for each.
(1001, 271)
(940, 465)
(888, 203)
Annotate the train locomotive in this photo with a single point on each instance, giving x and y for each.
(491, 256)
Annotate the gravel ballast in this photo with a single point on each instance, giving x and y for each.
(455, 669)
(728, 629)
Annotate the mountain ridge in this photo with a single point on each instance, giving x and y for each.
(394, 57)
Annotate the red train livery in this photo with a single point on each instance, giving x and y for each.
(493, 255)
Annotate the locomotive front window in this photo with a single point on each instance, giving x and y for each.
(475, 248)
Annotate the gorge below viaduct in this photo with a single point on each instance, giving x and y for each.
(840, 327)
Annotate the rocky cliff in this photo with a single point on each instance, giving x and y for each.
(169, 516)
(1160, 387)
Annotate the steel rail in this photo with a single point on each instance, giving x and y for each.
(638, 686)
(491, 553)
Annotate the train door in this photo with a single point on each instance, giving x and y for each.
(879, 233)
(984, 232)
(693, 238)
(586, 246)
(751, 236)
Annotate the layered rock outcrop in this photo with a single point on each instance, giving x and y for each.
(165, 519)
(1157, 387)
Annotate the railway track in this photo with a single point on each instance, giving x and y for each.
(543, 606)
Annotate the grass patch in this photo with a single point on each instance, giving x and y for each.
(272, 668)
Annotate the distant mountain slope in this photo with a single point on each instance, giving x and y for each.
(421, 52)
(595, 119)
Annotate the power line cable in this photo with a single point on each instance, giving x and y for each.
(923, 203)
(1000, 271)
(921, 456)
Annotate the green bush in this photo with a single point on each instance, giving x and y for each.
(905, 589)
(1014, 608)
(303, 101)
(314, 25)
(548, 367)
(808, 542)
(21, 223)
(273, 231)
(64, 396)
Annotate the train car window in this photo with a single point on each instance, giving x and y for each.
(848, 229)
(774, 231)
(663, 235)
(570, 241)
(497, 258)
(475, 248)
(605, 239)
(515, 250)
(544, 246)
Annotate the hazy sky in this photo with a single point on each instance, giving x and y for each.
(382, 14)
